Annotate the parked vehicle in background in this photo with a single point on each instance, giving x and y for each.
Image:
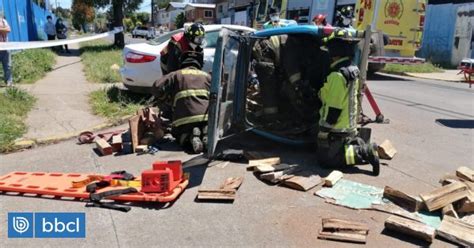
(142, 61)
(401, 22)
(144, 32)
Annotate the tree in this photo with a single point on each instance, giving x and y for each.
(119, 7)
(82, 13)
(62, 12)
(180, 20)
(143, 17)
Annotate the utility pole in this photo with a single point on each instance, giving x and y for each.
(152, 13)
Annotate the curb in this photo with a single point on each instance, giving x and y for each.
(30, 143)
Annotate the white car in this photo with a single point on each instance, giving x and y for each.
(144, 32)
(142, 61)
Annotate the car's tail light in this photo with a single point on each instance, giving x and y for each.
(132, 57)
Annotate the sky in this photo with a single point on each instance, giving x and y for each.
(145, 6)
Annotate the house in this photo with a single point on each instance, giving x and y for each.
(222, 12)
(200, 12)
(171, 12)
(162, 18)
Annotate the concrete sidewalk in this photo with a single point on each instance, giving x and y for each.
(446, 75)
(62, 107)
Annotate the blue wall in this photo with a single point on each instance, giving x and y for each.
(26, 19)
(438, 35)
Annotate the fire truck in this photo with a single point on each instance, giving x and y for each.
(401, 21)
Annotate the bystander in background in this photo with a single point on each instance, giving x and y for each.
(61, 33)
(5, 56)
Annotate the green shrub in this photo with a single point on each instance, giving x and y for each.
(98, 57)
(419, 68)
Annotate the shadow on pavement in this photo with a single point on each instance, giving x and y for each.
(453, 123)
(385, 77)
(406, 238)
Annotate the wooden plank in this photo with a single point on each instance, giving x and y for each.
(232, 183)
(332, 178)
(270, 168)
(303, 183)
(386, 150)
(401, 199)
(449, 210)
(266, 161)
(447, 179)
(103, 147)
(344, 225)
(466, 206)
(465, 173)
(457, 231)
(216, 194)
(410, 227)
(445, 195)
(117, 143)
(278, 176)
(134, 124)
(347, 237)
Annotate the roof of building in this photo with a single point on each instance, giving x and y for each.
(201, 5)
(177, 5)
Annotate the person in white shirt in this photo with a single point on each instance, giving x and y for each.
(5, 56)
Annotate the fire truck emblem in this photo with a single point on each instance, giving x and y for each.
(393, 11)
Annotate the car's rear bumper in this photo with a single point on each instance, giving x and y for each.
(138, 89)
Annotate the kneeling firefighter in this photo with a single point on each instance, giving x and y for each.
(186, 92)
(339, 144)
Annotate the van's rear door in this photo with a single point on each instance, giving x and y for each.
(224, 110)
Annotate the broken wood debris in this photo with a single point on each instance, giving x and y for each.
(465, 173)
(216, 194)
(303, 183)
(410, 227)
(449, 210)
(232, 183)
(264, 168)
(266, 161)
(386, 150)
(343, 230)
(117, 143)
(466, 205)
(103, 147)
(457, 231)
(332, 178)
(445, 195)
(279, 176)
(401, 199)
(226, 192)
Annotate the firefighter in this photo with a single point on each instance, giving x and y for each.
(274, 19)
(191, 40)
(338, 142)
(320, 20)
(344, 17)
(186, 91)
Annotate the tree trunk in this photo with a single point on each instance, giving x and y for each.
(118, 22)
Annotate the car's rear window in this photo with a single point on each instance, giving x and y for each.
(143, 28)
(164, 38)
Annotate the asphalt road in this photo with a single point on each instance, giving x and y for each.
(431, 125)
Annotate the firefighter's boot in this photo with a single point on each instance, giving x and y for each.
(196, 142)
(371, 155)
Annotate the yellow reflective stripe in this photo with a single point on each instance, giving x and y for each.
(295, 77)
(350, 155)
(191, 119)
(193, 72)
(126, 183)
(188, 93)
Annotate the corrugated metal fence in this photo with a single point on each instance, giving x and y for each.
(26, 19)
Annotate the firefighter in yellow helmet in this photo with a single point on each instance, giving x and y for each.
(339, 144)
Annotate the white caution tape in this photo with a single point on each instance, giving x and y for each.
(52, 43)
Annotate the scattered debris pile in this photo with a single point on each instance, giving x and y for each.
(226, 192)
(146, 128)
